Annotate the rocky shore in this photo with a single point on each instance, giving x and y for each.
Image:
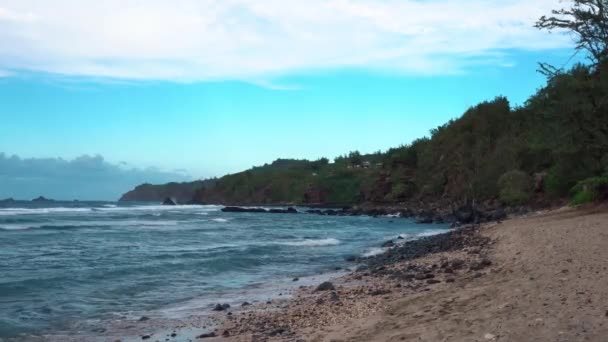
(407, 268)
(539, 278)
(456, 217)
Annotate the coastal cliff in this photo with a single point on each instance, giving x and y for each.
(181, 192)
(552, 148)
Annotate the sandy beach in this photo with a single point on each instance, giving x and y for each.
(536, 278)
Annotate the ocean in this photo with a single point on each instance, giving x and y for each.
(80, 265)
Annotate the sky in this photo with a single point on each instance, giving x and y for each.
(159, 90)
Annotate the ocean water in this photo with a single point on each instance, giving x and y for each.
(64, 264)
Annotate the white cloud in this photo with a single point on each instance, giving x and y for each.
(249, 39)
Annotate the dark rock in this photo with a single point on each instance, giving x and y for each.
(207, 335)
(400, 237)
(245, 304)
(221, 307)
(326, 286)
(334, 297)
(289, 210)
(173, 334)
(144, 318)
(351, 258)
(424, 220)
(424, 276)
(243, 210)
(497, 215)
(450, 280)
(433, 281)
(145, 337)
(479, 265)
(457, 264)
(226, 333)
(388, 243)
(295, 279)
(276, 332)
(485, 262)
(169, 201)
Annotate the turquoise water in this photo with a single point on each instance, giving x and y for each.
(62, 264)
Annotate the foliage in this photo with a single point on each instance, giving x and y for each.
(515, 187)
(588, 21)
(590, 189)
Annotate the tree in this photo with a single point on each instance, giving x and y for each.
(588, 20)
(355, 158)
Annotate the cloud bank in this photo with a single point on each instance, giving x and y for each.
(252, 39)
(84, 178)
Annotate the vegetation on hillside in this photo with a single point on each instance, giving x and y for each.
(493, 152)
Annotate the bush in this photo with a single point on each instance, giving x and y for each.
(590, 190)
(515, 187)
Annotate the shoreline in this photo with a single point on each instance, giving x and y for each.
(511, 281)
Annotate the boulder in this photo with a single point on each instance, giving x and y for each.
(169, 201)
(326, 286)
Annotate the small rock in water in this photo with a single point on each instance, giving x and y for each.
(326, 286)
(295, 279)
(245, 304)
(144, 318)
(145, 337)
(221, 307)
(388, 243)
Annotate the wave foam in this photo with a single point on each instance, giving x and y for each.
(91, 224)
(220, 220)
(41, 211)
(374, 251)
(312, 242)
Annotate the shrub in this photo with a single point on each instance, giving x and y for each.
(515, 187)
(589, 190)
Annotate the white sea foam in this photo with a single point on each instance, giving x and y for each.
(431, 232)
(71, 224)
(109, 208)
(220, 220)
(312, 242)
(374, 251)
(40, 211)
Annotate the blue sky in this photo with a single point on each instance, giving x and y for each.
(203, 88)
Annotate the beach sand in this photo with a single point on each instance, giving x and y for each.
(538, 278)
